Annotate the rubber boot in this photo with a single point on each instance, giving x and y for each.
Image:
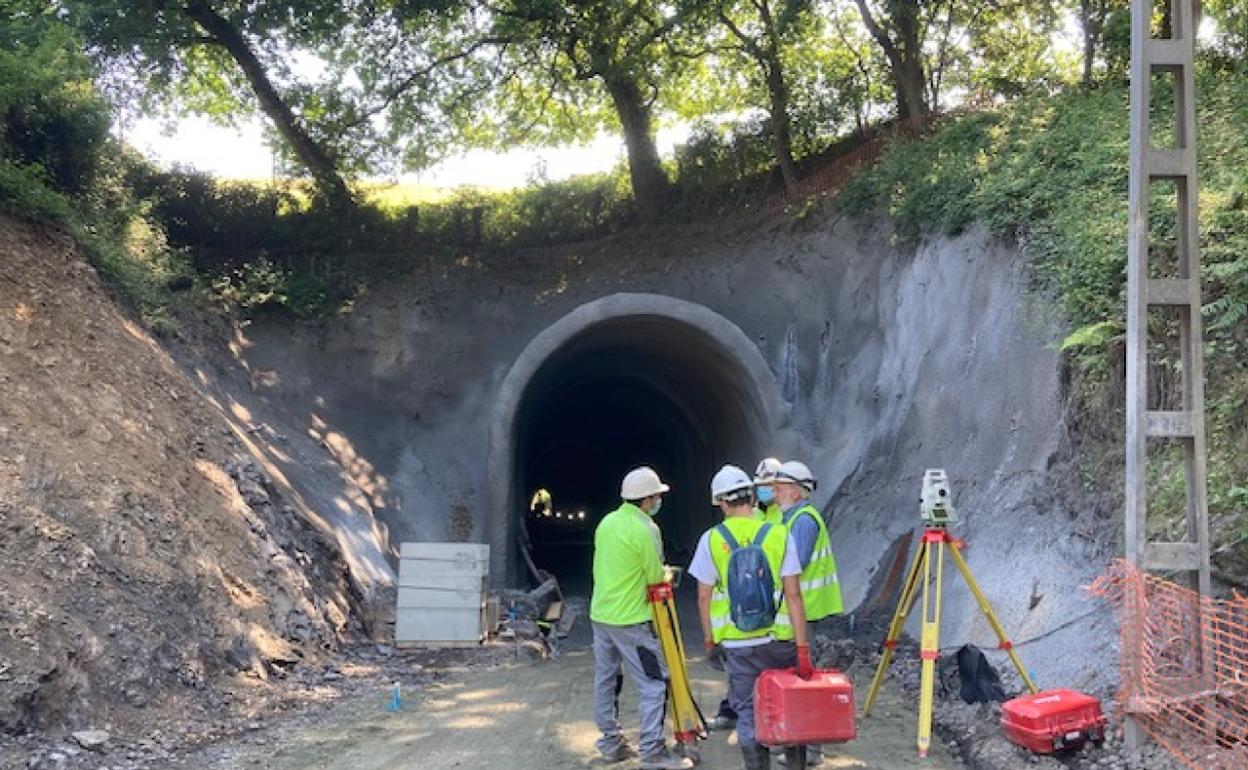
(756, 757)
(794, 758)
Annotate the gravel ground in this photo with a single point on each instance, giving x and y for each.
(973, 733)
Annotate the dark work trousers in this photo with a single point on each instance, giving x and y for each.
(744, 665)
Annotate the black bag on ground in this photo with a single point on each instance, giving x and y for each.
(980, 682)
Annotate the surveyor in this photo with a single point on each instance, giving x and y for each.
(542, 503)
(628, 557)
(775, 635)
(766, 510)
(764, 476)
(821, 591)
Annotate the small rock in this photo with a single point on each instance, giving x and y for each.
(253, 493)
(53, 760)
(92, 740)
(331, 676)
(241, 655)
(135, 697)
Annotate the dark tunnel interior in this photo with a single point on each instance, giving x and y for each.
(630, 391)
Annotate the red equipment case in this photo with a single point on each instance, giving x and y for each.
(1053, 720)
(789, 710)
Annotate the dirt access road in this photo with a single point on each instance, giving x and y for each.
(527, 716)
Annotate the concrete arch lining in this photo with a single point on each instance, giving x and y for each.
(628, 322)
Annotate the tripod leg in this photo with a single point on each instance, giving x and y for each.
(691, 726)
(906, 603)
(986, 608)
(929, 650)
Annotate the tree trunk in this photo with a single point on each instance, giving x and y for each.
(905, 66)
(910, 85)
(1091, 22)
(651, 188)
(315, 157)
(781, 130)
(908, 76)
(778, 94)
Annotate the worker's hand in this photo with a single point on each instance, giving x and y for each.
(805, 669)
(715, 656)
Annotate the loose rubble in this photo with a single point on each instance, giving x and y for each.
(972, 731)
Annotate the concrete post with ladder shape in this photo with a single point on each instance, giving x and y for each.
(1174, 57)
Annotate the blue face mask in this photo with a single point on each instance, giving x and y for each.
(766, 495)
(657, 505)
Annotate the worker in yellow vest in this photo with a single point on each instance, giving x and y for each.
(767, 510)
(628, 557)
(765, 492)
(750, 604)
(821, 591)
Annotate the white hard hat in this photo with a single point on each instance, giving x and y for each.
(641, 483)
(766, 470)
(796, 472)
(729, 479)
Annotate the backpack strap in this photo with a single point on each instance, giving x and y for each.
(726, 534)
(762, 534)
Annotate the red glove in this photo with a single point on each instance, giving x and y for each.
(805, 669)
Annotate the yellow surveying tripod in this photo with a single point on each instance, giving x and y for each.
(688, 725)
(935, 537)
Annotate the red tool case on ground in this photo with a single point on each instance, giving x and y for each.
(1053, 720)
(789, 710)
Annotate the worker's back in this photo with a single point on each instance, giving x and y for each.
(627, 559)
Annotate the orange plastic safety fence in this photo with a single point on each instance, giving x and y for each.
(1184, 662)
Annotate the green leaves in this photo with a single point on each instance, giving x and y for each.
(52, 120)
(1051, 171)
(1094, 335)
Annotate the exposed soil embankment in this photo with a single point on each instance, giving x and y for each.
(143, 554)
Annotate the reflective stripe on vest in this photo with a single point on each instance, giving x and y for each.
(745, 530)
(821, 590)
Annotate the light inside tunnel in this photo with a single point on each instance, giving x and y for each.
(626, 392)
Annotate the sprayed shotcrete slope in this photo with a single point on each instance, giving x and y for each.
(406, 420)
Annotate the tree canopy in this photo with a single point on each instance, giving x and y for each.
(353, 88)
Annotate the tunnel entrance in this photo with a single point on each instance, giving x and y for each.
(624, 381)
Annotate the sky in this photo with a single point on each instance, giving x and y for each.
(240, 153)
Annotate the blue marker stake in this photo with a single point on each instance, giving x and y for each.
(396, 698)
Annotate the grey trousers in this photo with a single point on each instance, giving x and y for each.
(632, 649)
(744, 665)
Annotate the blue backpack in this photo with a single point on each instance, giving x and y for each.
(751, 586)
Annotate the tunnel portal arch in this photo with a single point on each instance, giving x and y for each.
(687, 387)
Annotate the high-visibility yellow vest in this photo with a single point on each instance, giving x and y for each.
(773, 513)
(745, 530)
(821, 590)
